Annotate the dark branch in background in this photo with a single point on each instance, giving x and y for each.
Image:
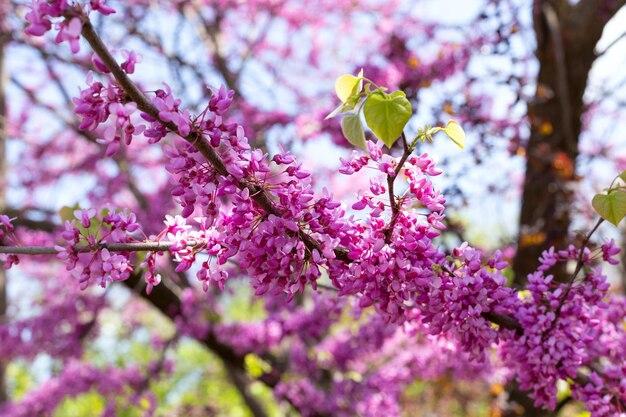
(166, 298)
(210, 31)
(173, 57)
(611, 45)
(241, 381)
(23, 219)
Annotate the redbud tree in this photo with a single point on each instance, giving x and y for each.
(195, 222)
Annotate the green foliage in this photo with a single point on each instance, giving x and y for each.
(455, 133)
(453, 130)
(240, 305)
(611, 205)
(256, 366)
(353, 130)
(67, 214)
(387, 114)
(85, 405)
(348, 85)
(19, 378)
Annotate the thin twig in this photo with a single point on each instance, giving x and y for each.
(113, 247)
(612, 44)
(395, 207)
(570, 283)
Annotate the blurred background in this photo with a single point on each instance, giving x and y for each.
(539, 87)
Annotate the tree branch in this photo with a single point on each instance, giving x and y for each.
(113, 247)
(167, 300)
(395, 208)
(259, 195)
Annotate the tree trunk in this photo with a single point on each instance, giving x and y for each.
(566, 38)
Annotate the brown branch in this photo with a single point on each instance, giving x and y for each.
(20, 218)
(113, 247)
(395, 208)
(242, 382)
(259, 195)
(167, 300)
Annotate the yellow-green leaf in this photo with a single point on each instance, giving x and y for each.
(456, 133)
(347, 85)
(255, 366)
(387, 114)
(611, 206)
(67, 212)
(353, 130)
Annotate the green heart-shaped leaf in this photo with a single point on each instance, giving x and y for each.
(387, 114)
(611, 206)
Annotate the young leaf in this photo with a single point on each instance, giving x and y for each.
(67, 212)
(255, 366)
(622, 175)
(611, 206)
(456, 133)
(387, 114)
(353, 130)
(347, 85)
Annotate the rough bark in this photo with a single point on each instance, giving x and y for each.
(566, 38)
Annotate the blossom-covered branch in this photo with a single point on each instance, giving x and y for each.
(244, 214)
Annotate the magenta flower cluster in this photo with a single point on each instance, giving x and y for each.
(85, 253)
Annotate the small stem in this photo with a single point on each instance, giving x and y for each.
(395, 207)
(570, 283)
